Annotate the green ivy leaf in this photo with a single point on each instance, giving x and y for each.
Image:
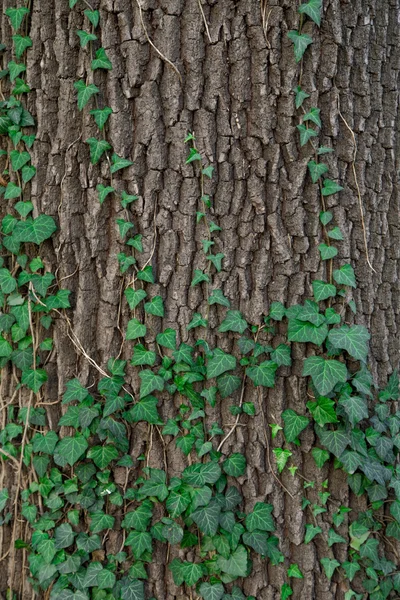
(199, 276)
(311, 532)
(236, 565)
(294, 571)
(146, 410)
(300, 41)
(197, 321)
(330, 187)
(7, 282)
(350, 568)
(134, 297)
(140, 518)
(216, 260)
(85, 92)
(45, 443)
(306, 133)
(101, 117)
(335, 234)
(281, 355)
(217, 297)
(313, 10)
(301, 95)
(28, 172)
(286, 591)
(313, 115)
(325, 217)
(132, 589)
(353, 339)
(235, 465)
(260, 518)
(335, 538)
(211, 591)
(35, 230)
(282, 456)
(263, 374)
(327, 252)
(72, 448)
(12, 191)
(34, 379)
(323, 410)
(323, 290)
(345, 276)
(97, 149)
(233, 321)
(103, 192)
(316, 170)
(85, 37)
(63, 536)
(330, 565)
(277, 311)
(135, 330)
(119, 163)
(207, 517)
(74, 391)
(325, 374)
(93, 16)
(141, 356)
(335, 441)
(167, 339)
(356, 409)
(101, 61)
(103, 455)
(294, 424)
(219, 363)
(99, 521)
(140, 542)
(16, 16)
(258, 540)
(155, 306)
(150, 382)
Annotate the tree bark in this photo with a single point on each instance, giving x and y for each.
(236, 95)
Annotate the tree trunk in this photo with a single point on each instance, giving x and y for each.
(235, 92)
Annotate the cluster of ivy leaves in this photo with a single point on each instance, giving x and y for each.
(74, 499)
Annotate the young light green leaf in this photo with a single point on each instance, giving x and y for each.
(323, 410)
(119, 163)
(217, 297)
(327, 252)
(101, 116)
(282, 456)
(16, 16)
(21, 43)
(313, 115)
(301, 95)
(311, 532)
(101, 61)
(330, 565)
(93, 16)
(85, 92)
(103, 192)
(135, 330)
(85, 37)
(97, 149)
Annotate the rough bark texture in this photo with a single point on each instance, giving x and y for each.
(236, 95)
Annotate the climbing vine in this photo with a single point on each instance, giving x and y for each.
(66, 490)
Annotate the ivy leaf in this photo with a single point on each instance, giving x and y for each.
(325, 217)
(199, 276)
(306, 133)
(101, 61)
(74, 391)
(327, 252)
(85, 92)
(140, 542)
(140, 518)
(150, 382)
(282, 456)
(207, 517)
(217, 297)
(216, 260)
(177, 503)
(236, 565)
(141, 356)
(233, 321)
(155, 306)
(97, 149)
(323, 290)
(335, 441)
(132, 589)
(19, 159)
(313, 10)
(93, 16)
(323, 410)
(330, 187)
(16, 16)
(103, 191)
(353, 339)
(356, 409)
(263, 374)
(119, 163)
(345, 276)
(12, 191)
(311, 532)
(281, 355)
(258, 540)
(134, 297)
(85, 37)
(220, 363)
(313, 116)
(303, 331)
(101, 116)
(350, 568)
(35, 230)
(286, 591)
(294, 424)
(330, 565)
(146, 410)
(300, 41)
(7, 282)
(135, 329)
(34, 379)
(301, 95)
(21, 43)
(260, 518)
(325, 374)
(167, 338)
(335, 234)
(63, 536)
(28, 172)
(72, 448)
(234, 465)
(335, 538)
(45, 443)
(294, 571)
(277, 311)
(105, 579)
(228, 384)
(99, 521)
(103, 455)
(211, 591)
(316, 170)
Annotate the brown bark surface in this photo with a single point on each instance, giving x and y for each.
(237, 96)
